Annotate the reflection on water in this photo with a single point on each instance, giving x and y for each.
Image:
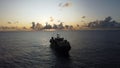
(63, 62)
(90, 49)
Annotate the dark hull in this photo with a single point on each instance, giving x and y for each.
(62, 49)
(60, 46)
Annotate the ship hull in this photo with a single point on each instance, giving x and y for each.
(61, 47)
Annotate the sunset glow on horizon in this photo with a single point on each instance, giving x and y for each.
(24, 12)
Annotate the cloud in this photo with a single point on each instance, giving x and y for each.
(51, 19)
(65, 4)
(83, 17)
(60, 4)
(9, 22)
(82, 21)
(106, 23)
(16, 22)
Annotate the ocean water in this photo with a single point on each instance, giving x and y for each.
(90, 49)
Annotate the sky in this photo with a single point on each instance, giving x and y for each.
(71, 12)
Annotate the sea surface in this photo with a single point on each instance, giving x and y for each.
(90, 49)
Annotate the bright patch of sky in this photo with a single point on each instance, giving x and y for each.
(67, 11)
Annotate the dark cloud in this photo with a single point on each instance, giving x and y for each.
(9, 22)
(66, 4)
(7, 27)
(106, 23)
(83, 17)
(16, 22)
(47, 26)
(69, 27)
(33, 25)
(78, 25)
(37, 26)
